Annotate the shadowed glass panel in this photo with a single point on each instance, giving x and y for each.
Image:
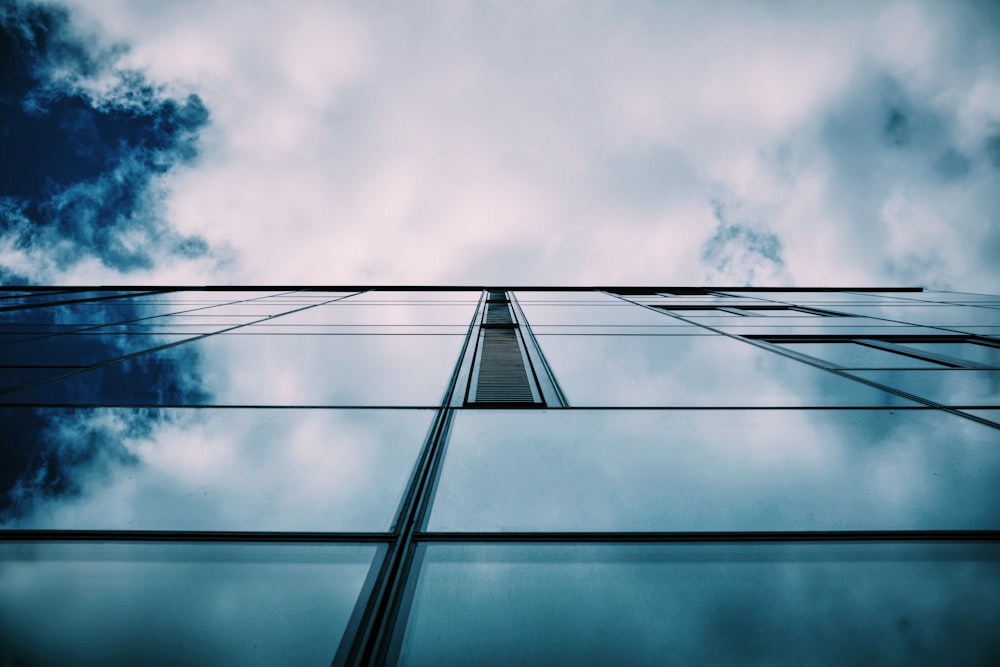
(80, 349)
(709, 604)
(208, 469)
(694, 371)
(88, 313)
(691, 470)
(947, 387)
(979, 354)
(177, 604)
(883, 329)
(852, 355)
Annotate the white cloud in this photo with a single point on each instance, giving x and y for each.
(470, 143)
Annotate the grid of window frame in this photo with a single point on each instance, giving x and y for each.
(376, 631)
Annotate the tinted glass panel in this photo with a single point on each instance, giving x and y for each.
(208, 469)
(579, 470)
(777, 604)
(177, 604)
(693, 371)
(79, 349)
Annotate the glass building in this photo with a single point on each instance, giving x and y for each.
(508, 476)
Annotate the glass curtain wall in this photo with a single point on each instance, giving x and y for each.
(445, 476)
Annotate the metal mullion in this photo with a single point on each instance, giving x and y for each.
(552, 537)
(102, 535)
(551, 393)
(377, 621)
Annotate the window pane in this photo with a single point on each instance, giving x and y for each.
(726, 604)
(980, 354)
(948, 387)
(268, 370)
(692, 470)
(206, 469)
(694, 371)
(350, 312)
(852, 355)
(177, 604)
(79, 349)
(619, 313)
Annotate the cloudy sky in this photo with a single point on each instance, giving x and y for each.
(500, 142)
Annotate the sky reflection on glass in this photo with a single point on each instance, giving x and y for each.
(176, 604)
(152, 469)
(688, 470)
(694, 371)
(269, 370)
(726, 604)
(946, 387)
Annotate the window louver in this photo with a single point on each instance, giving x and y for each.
(501, 374)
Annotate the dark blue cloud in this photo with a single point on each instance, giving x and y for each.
(737, 251)
(46, 453)
(78, 177)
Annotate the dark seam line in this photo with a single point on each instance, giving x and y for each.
(716, 536)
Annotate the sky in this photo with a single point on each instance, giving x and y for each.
(316, 142)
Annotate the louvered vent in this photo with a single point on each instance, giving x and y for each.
(498, 313)
(502, 375)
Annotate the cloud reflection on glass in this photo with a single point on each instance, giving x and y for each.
(721, 604)
(716, 470)
(177, 604)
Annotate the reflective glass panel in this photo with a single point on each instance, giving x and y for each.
(707, 604)
(691, 470)
(268, 370)
(852, 355)
(206, 469)
(939, 315)
(826, 297)
(979, 354)
(694, 371)
(524, 296)
(350, 312)
(948, 387)
(177, 604)
(78, 349)
(612, 314)
(413, 296)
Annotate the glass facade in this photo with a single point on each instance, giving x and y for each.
(497, 476)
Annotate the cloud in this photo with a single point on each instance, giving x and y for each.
(91, 142)
(458, 143)
(739, 254)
